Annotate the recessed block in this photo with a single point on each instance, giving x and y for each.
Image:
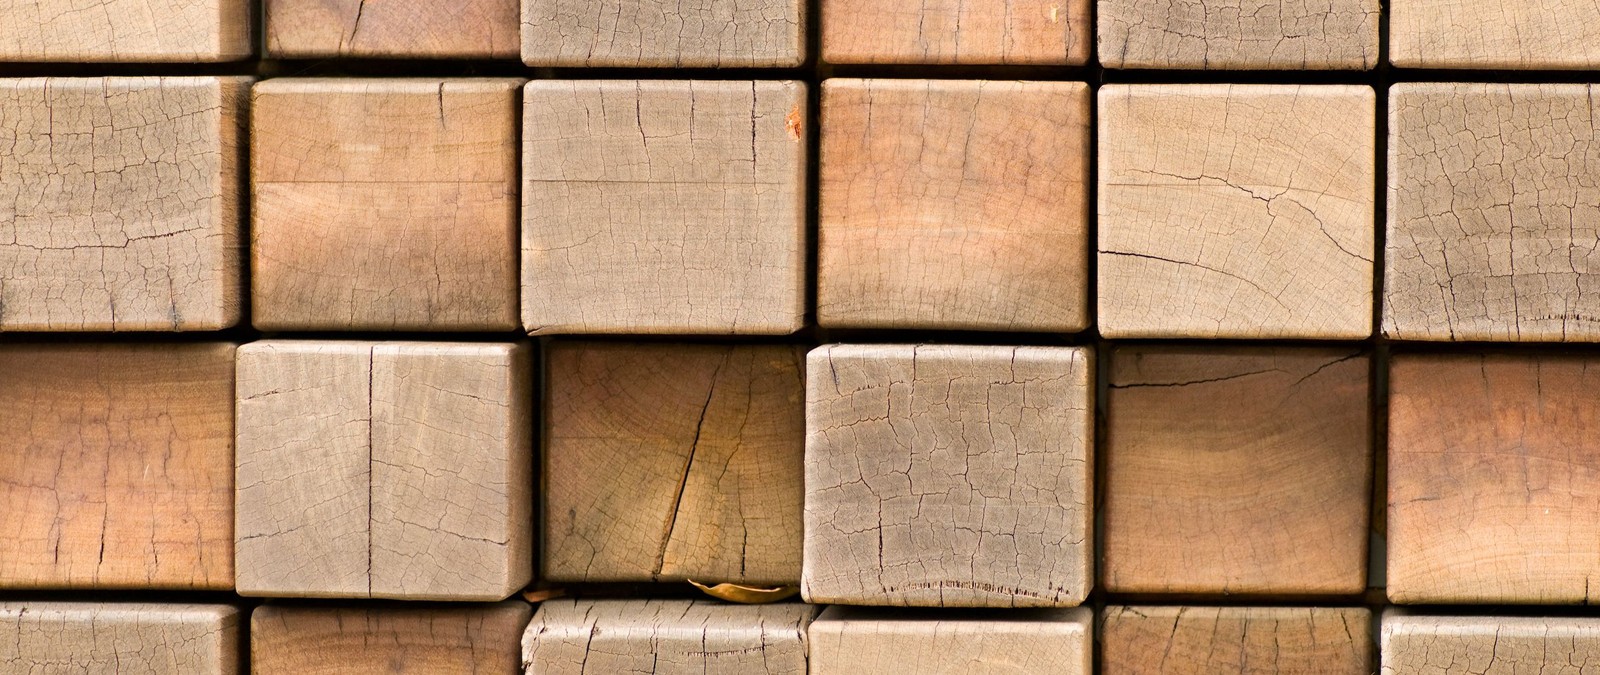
(663, 207)
(458, 640)
(1525, 35)
(948, 476)
(1010, 32)
(1240, 35)
(673, 462)
(666, 636)
(119, 202)
(954, 204)
(125, 31)
(664, 33)
(1244, 640)
(483, 29)
(116, 466)
(384, 204)
(1223, 466)
(860, 641)
(1488, 645)
(384, 470)
(89, 637)
(1236, 211)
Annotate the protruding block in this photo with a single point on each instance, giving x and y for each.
(673, 462)
(385, 204)
(384, 470)
(425, 29)
(116, 466)
(458, 640)
(948, 476)
(858, 641)
(119, 201)
(664, 207)
(666, 636)
(1009, 32)
(1237, 471)
(88, 637)
(954, 204)
(1244, 640)
(1488, 645)
(664, 33)
(126, 31)
(1236, 211)
(1244, 34)
(1523, 35)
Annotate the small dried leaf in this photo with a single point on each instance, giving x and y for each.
(747, 595)
(544, 594)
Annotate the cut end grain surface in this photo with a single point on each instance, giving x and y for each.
(83, 637)
(857, 641)
(666, 636)
(1243, 640)
(485, 29)
(1239, 34)
(387, 640)
(664, 33)
(1482, 645)
(125, 31)
(1520, 35)
(993, 32)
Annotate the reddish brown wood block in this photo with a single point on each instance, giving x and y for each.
(429, 29)
(386, 640)
(993, 32)
(1243, 640)
(85, 637)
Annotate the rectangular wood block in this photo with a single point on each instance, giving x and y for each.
(954, 204)
(384, 470)
(1234, 471)
(119, 202)
(92, 637)
(664, 33)
(1236, 211)
(1494, 479)
(385, 204)
(673, 462)
(1492, 218)
(1239, 35)
(1244, 640)
(387, 640)
(666, 637)
(858, 641)
(126, 31)
(1488, 645)
(427, 29)
(664, 206)
(116, 466)
(995, 32)
(948, 476)
(1522, 35)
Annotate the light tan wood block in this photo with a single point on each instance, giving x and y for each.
(1236, 211)
(1494, 479)
(119, 203)
(948, 476)
(666, 637)
(1223, 465)
(1244, 34)
(954, 204)
(384, 470)
(387, 640)
(1001, 32)
(126, 31)
(673, 462)
(91, 637)
(384, 204)
(860, 641)
(664, 206)
(1244, 640)
(664, 33)
(1488, 645)
(481, 29)
(116, 466)
(1526, 35)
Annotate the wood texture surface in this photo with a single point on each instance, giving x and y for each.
(664, 207)
(1528, 35)
(384, 204)
(1483, 645)
(482, 29)
(384, 470)
(997, 32)
(954, 204)
(666, 637)
(673, 462)
(125, 31)
(387, 640)
(1236, 211)
(1239, 34)
(1237, 471)
(954, 476)
(1492, 214)
(857, 641)
(119, 203)
(664, 33)
(116, 466)
(89, 637)
(1243, 640)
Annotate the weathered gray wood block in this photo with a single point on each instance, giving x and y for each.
(666, 637)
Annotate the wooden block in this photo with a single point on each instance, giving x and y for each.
(464, 29)
(406, 472)
(954, 204)
(1525, 35)
(664, 33)
(1491, 214)
(90, 637)
(126, 31)
(666, 637)
(1224, 465)
(453, 640)
(1494, 479)
(1246, 34)
(1011, 32)
(664, 207)
(948, 476)
(673, 462)
(1236, 211)
(1244, 640)
(858, 641)
(116, 466)
(119, 202)
(385, 204)
(1485, 645)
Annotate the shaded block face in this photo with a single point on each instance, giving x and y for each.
(116, 466)
(948, 476)
(1236, 211)
(1237, 471)
(858, 641)
(1493, 217)
(663, 33)
(667, 637)
(1530, 35)
(1244, 640)
(456, 640)
(119, 203)
(407, 472)
(1472, 645)
(1241, 34)
(954, 204)
(87, 637)
(384, 204)
(1001, 32)
(126, 31)
(663, 207)
(483, 29)
(673, 462)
